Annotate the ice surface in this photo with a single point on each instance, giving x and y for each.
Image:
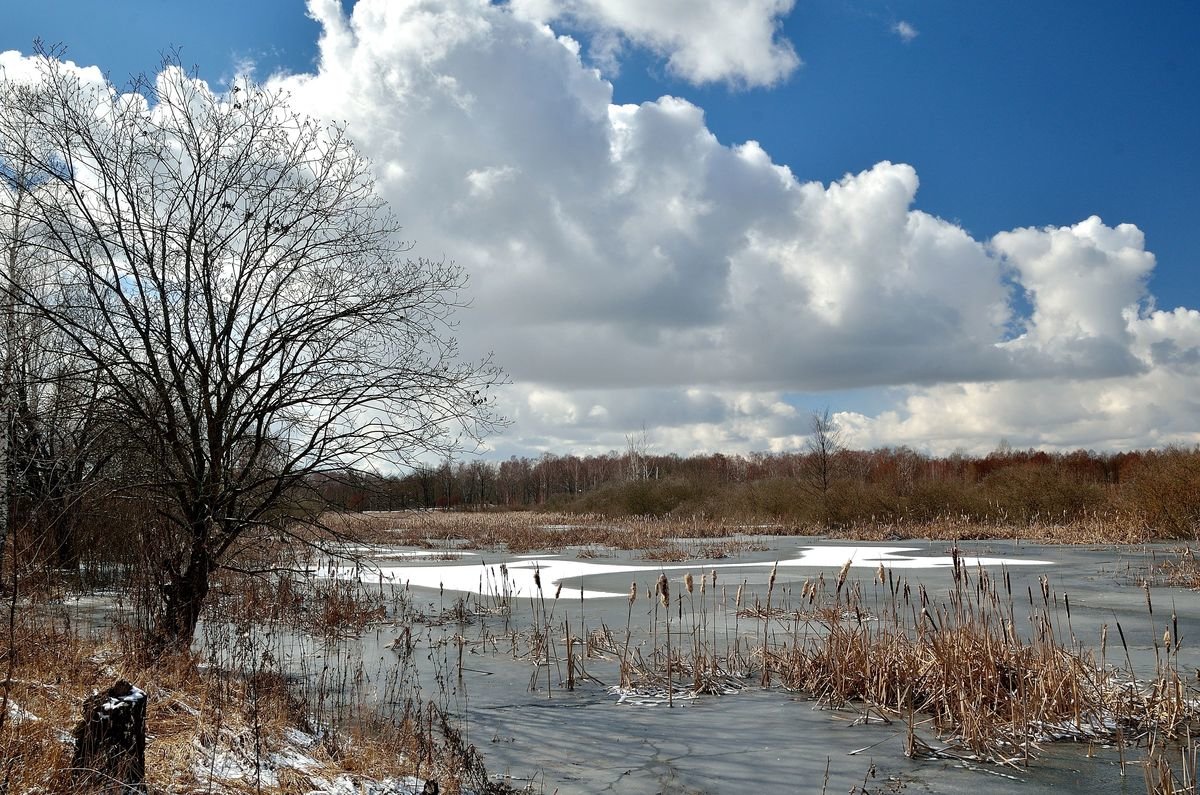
(488, 579)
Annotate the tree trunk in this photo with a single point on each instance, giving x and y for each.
(184, 599)
(61, 531)
(66, 549)
(110, 742)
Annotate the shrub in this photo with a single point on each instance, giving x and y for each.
(1163, 491)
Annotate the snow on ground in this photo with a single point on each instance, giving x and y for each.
(18, 715)
(235, 762)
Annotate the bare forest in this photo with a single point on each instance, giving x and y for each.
(1150, 493)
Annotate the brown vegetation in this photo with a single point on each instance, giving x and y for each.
(995, 673)
(1123, 496)
(690, 538)
(231, 721)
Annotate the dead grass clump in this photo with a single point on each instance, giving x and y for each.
(327, 608)
(995, 674)
(1182, 571)
(667, 553)
(592, 552)
(994, 692)
(1093, 527)
(1164, 777)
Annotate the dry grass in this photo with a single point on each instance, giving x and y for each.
(325, 608)
(1162, 775)
(193, 717)
(660, 538)
(239, 728)
(995, 674)
(1180, 571)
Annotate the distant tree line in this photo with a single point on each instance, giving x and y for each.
(828, 486)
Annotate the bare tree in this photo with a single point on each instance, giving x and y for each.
(12, 180)
(19, 175)
(824, 443)
(637, 446)
(240, 291)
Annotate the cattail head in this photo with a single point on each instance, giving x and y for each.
(558, 590)
(632, 591)
(737, 602)
(771, 581)
(537, 579)
(714, 576)
(841, 580)
(664, 590)
(881, 574)
(688, 583)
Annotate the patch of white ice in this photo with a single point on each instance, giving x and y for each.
(486, 578)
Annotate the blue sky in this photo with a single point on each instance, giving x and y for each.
(1011, 115)
(1015, 114)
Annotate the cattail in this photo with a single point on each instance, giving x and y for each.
(881, 574)
(664, 590)
(558, 590)
(714, 576)
(632, 592)
(537, 579)
(841, 580)
(737, 602)
(771, 581)
(688, 583)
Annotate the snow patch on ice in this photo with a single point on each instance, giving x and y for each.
(488, 579)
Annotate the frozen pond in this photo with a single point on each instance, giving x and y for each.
(471, 620)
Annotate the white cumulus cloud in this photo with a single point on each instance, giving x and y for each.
(704, 41)
(629, 269)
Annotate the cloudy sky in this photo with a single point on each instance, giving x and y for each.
(950, 223)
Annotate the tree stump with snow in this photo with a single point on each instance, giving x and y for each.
(110, 742)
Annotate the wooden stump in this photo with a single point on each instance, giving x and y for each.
(110, 742)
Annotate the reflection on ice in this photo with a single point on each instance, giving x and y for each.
(485, 578)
